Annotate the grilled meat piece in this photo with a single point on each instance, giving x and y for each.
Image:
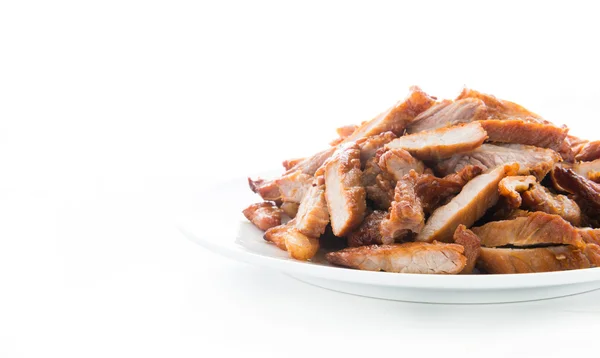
(539, 198)
(523, 132)
(411, 257)
(368, 233)
(590, 151)
(312, 217)
(589, 235)
(511, 187)
(263, 215)
(472, 244)
(449, 113)
(370, 145)
(569, 181)
(288, 238)
(406, 212)
(398, 163)
(293, 186)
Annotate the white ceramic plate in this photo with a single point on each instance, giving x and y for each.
(221, 228)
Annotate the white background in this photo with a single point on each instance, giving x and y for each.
(116, 115)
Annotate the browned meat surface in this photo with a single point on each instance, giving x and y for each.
(448, 113)
(406, 212)
(523, 132)
(287, 237)
(397, 117)
(531, 160)
(379, 186)
(263, 215)
(441, 143)
(535, 229)
(502, 109)
(290, 163)
(478, 195)
(571, 147)
(370, 145)
(411, 257)
(343, 133)
(567, 180)
(398, 163)
(290, 209)
(293, 186)
(343, 190)
(589, 235)
(434, 191)
(472, 244)
(312, 217)
(267, 189)
(511, 187)
(590, 151)
(541, 259)
(588, 170)
(368, 233)
(539, 198)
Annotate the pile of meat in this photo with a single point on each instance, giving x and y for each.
(471, 185)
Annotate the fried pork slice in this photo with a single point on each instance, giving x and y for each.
(541, 259)
(472, 244)
(312, 217)
(531, 160)
(539, 198)
(267, 189)
(589, 235)
(370, 145)
(434, 191)
(523, 132)
(263, 215)
(441, 143)
(590, 151)
(470, 204)
(502, 109)
(448, 113)
(398, 163)
(343, 133)
(411, 257)
(588, 170)
(535, 229)
(287, 237)
(406, 212)
(293, 186)
(397, 117)
(346, 197)
(570, 147)
(290, 163)
(379, 186)
(569, 181)
(368, 233)
(511, 188)
(290, 209)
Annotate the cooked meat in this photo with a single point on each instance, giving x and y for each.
(370, 145)
(502, 109)
(293, 186)
(441, 143)
(433, 190)
(397, 117)
(588, 170)
(472, 244)
(312, 216)
(263, 215)
(531, 160)
(343, 133)
(411, 257)
(267, 189)
(541, 259)
(379, 186)
(343, 190)
(277, 234)
(448, 113)
(590, 151)
(517, 213)
(398, 163)
(589, 235)
(290, 163)
(539, 198)
(290, 209)
(535, 229)
(287, 237)
(368, 233)
(585, 189)
(406, 212)
(523, 132)
(470, 204)
(571, 147)
(511, 187)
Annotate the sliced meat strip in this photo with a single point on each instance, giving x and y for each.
(346, 197)
(406, 212)
(398, 163)
(472, 244)
(441, 143)
(470, 204)
(535, 229)
(287, 237)
(589, 235)
(368, 233)
(590, 151)
(531, 160)
(539, 198)
(411, 257)
(434, 191)
(293, 186)
(370, 145)
(263, 215)
(379, 186)
(523, 132)
(511, 188)
(290, 209)
(397, 117)
(588, 170)
(541, 259)
(312, 217)
(290, 163)
(570, 147)
(569, 181)
(448, 113)
(267, 189)
(343, 133)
